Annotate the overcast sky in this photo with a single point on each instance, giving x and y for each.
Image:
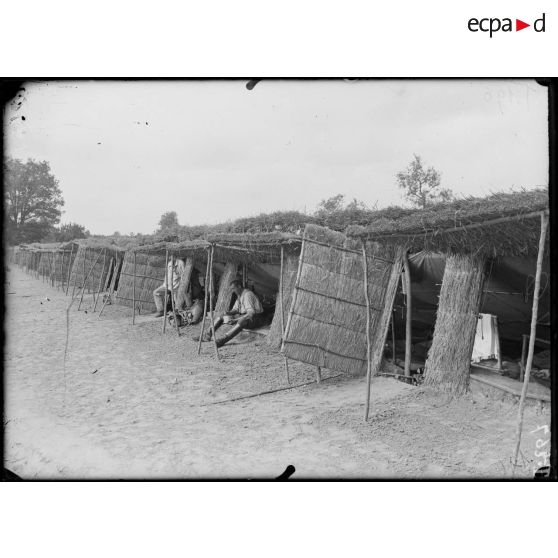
(126, 152)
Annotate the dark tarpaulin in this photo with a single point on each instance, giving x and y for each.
(508, 295)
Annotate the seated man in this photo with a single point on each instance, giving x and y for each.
(174, 275)
(247, 312)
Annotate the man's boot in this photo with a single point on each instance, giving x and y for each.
(229, 335)
(207, 335)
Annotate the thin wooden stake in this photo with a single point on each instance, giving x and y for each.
(265, 392)
(87, 277)
(318, 374)
(211, 305)
(281, 308)
(534, 314)
(74, 274)
(84, 261)
(408, 318)
(166, 282)
(294, 295)
(393, 359)
(497, 333)
(523, 356)
(134, 293)
(110, 287)
(172, 297)
(100, 279)
(368, 344)
(205, 290)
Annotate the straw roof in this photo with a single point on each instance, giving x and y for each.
(235, 247)
(497, 225)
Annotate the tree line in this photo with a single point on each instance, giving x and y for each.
(33, 207)
(33, 204)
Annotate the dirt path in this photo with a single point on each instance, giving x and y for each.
(131, 402)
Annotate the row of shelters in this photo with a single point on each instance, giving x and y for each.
(334, 298)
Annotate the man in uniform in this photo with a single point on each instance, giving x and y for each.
(246, 313)
(173, 275)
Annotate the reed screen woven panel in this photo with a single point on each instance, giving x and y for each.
(91, 264)
(327, 319)
(290, 267)
(150, 274)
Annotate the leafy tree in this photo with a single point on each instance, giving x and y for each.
(335, 214)
(331, 205)
(32, 200)
(422, 186)
(70, 231)
(169, 221)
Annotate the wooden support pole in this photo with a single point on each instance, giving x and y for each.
(57, 274)
(206, 292)
(318, 374)
(172, 297)
(408, 319)
(87, 277)
(294, 295)
(393, 359)
(166, 283)
(525, 339)
(103, 306)
(75, 275)
(84, 261)
(534, 313)
(100, 279)
(281, 308)
(134, 293)
(211, 304)
(110, 287)
(497, 334)
(368, 344)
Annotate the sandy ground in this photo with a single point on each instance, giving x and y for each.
(131, 402)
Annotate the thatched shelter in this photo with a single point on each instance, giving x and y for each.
(504, 224)
(28, 257)
(147, 276)
(256, 259)
(91, 269)
(341, 302)
(55, 261)
(478, 236)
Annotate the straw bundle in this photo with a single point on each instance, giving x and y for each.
(449, 358)
(225, 292)
(150, 274)
(327, 319)
(290, 267)
(182, 293)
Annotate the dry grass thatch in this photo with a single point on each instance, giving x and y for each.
(234, 247)
(449, 358)
(506, 224)
(327, 321)
(92, 266)
(275, 334)
(181, 294)
(149, 274)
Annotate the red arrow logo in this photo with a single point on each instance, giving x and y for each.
(519, 25)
